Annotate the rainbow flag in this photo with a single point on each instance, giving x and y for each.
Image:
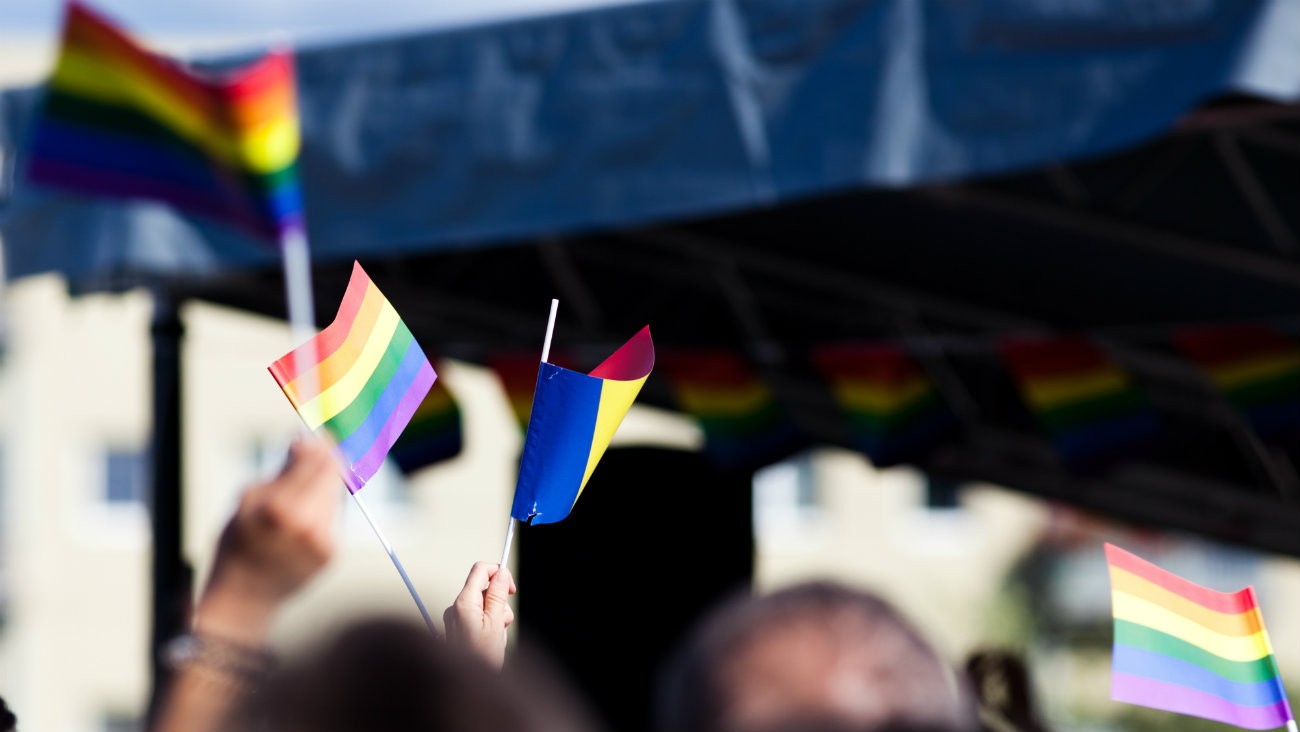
(893, 408)
(743, 423)
(1185, 648)
(360, 380)
(120, 121)
(433, 434)
(574, 417)
(1088, 406)
(1257, 368)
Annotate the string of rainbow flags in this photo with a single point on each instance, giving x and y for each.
(120, 121)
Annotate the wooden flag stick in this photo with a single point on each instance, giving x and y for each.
(546, 355)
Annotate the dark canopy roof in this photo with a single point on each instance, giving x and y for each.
(769, 176)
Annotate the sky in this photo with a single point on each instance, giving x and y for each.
(300, 20)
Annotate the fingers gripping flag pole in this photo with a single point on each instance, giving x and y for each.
(546, 355)
(1188, 649)
(358, 382)
(573, 419)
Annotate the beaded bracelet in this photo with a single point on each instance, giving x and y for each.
(232, 659)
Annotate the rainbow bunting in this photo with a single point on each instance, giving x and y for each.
(360, 380)
(433, 435)
(1257, 368)
(517, 372)
(893, 408)
(120, 121)
(1185, 648)
(743, 423)
(573, 419)
(1088, 406)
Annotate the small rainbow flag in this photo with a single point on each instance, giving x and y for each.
(1088, 405)
(360, 380)
(433, 435)
(744, 425)
(120, 121)
(574, 417)
(893, 408)
(1185, 648)
(1256, 367)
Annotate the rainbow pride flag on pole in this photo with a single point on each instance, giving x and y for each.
(574, 417)
(360, 380)
(744, 424)
(893, 408)
(1256, 368)
(120, 121)
(1089, 407)
(434, 433)
(1185, 648)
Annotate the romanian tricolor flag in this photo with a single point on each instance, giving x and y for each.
(360, 380)
(433, 435)
(574, 417)
(120, 121)
(1089, 407)
(1185, 648)
(894, 410)
(743, 423)
(1256, 367)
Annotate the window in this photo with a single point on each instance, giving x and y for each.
(126, 476)
(941, 494)
(120, 722)
(786, 499)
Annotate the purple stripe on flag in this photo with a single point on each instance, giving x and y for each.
(369, 463)
(124, 185)
(1173, 698)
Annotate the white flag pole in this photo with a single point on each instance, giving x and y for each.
(424, 612)
(546, 355)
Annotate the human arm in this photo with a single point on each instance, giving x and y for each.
(281, 535)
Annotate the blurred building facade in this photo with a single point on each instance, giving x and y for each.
(74, 537)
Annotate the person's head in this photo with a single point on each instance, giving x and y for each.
(8, 722)
(814, 656)
(391, 676)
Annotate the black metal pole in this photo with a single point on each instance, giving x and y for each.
(172, 576)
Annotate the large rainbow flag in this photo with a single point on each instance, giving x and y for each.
(434, 433)
(359, 380)
(1256, 367)
(744, 424)
(1185, 648)
(1089, 407)
(574, 417)
(893, 408)
(120, 121)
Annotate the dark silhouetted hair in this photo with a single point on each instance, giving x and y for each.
(391, 676)
(921, 694)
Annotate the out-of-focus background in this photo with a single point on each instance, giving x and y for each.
(762, 181)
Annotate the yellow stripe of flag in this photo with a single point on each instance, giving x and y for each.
(337, 397)
(268, 148)
(1234, 648)
(1048, 393)
(1260, 369)
(859, 397)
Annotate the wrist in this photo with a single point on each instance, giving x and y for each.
(233, 609)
